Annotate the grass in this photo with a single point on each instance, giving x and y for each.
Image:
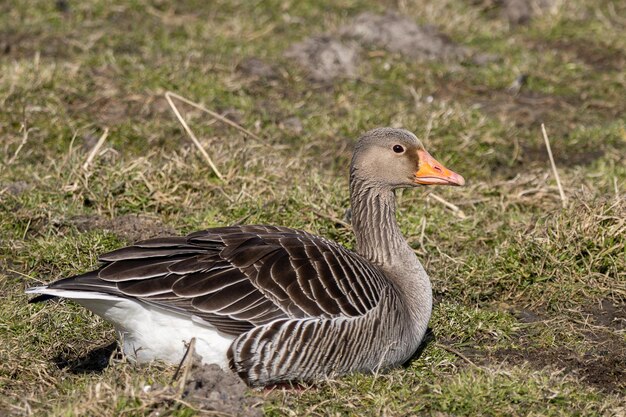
(530, 296)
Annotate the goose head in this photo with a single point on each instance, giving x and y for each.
(396, 158)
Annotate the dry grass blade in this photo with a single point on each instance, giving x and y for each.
(556, 173)
(213, 114)
(168, 97)
(96, 149)
(185, 363)
(455, 209)
(20, 146)
(457, 353)
(332, 218)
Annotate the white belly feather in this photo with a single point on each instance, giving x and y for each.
(147, 332)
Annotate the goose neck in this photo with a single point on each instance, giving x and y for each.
(378, 237)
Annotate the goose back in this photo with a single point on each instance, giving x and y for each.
(239, 277)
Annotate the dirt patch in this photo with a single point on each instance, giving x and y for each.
(608, 314)
(206, 387)
(560, 113)
(520, 12)
(399, 34)
(527, 108)
(131, 227)
(603, 368)
(601, 364)
(526, 316)
(325, 58)
(563, 156)
(212, 389)
(257, 68)
(23, 45)
(524, 108)
(597, 56)
(337, 55)
(14, 188)
(292, 125)
(516, 12)
(110, 103)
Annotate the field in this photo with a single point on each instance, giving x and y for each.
(529, 275)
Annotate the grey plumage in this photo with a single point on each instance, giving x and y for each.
(301, 307)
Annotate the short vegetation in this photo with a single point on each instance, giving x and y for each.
(530, 288)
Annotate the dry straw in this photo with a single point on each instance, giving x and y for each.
(96, 149)
(169, 95)
(554, 170)
(20, 146)
(455, 209)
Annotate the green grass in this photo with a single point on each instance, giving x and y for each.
(522, 284)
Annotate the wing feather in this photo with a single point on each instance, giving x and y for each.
(240, 277)
(202, 283)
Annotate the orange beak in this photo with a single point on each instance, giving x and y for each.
(431, 172)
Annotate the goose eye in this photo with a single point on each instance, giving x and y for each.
(398, 148)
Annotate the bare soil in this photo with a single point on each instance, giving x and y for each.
(564, 157)
(603, 368)
(516, 12)
(522, 11)
(212, 389)
(325, 58)
(206, 387)
(514, 103)
(608, 314)
(20, 45)
(600, 57)
(399, 34)
(338, 55)
(14, 188)
(528, 109)
(257, 68)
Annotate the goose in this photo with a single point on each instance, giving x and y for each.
(275, 304)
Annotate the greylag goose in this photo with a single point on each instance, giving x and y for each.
(275, 304)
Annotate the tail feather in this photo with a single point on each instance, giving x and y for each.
(83, 287)
(41, 297)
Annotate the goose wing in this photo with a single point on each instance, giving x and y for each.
(239, 277)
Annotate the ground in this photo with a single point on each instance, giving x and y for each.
(530, 287)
